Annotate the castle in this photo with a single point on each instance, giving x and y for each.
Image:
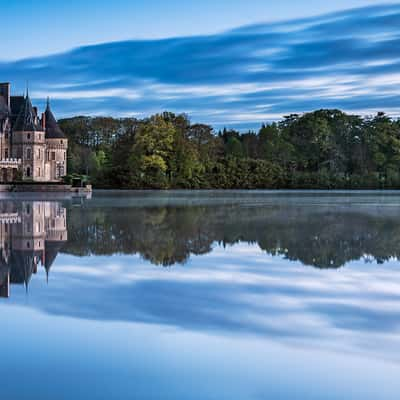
(31, 233)
(32, 148)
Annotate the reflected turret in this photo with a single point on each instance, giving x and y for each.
(31, 234)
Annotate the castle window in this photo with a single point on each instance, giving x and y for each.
(6, 153)
(28, 154)
(53, 155)
(28, 172)
(6, 135)
(60, 171)
(28, 136)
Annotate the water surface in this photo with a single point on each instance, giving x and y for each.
(201, 295)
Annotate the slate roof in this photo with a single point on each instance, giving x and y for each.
(53, 131)
(4, 110)
(16, 103)
(23, 266)
(26, 118)
(51, 251)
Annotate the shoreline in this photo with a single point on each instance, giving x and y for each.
(61, 188)
(43, 187)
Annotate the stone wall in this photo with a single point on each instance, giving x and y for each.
(26, 187)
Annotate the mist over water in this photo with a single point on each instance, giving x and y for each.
(201, 295)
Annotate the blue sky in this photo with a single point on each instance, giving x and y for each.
(227, 63)
(49, 26)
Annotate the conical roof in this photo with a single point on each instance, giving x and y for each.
(23, 266)
(26, 117)
(51, 252)
(4, 110)
(53, 131)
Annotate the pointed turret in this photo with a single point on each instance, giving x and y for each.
(51, 252)
(53, 131)
(26, 120)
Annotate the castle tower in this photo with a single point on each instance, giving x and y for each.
(5, 125)
(56, 147)
(27, 242)
(28, 142)
(31, 148)
(8, 166)
(56, 232)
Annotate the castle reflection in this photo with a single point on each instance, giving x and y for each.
(322, 232)
(31, 234)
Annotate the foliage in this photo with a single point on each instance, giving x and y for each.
(324, 149)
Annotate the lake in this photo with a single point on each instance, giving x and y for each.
(200, 295)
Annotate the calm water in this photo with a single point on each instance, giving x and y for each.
(211, 295)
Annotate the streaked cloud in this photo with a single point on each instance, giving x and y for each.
(348, 60)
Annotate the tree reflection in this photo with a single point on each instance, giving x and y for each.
(322, 237)
(32, 233)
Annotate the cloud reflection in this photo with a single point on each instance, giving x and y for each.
(235, 280)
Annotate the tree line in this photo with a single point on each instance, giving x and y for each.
(324, 149)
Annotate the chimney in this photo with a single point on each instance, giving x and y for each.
(44, 121)
(5, 91)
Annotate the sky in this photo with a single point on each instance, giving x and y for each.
(226, 63)
(48, 26)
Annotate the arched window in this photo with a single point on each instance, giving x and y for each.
(28, 172)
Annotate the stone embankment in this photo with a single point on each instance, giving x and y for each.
(44, 188)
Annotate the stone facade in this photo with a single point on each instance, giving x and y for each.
(31, 233)
(31, 147)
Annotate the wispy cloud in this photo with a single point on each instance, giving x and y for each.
(348, 60)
